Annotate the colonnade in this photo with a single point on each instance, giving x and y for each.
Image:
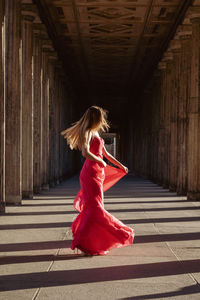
(168, 147)
(36, 104)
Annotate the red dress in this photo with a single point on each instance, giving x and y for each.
(95, 230)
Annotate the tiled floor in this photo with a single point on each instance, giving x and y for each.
(163, 262)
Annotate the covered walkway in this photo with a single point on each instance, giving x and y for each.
(138, 59)
(163, 263)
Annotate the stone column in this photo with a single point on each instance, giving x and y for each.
(193, 115)
(169, 74)
(182, 178)
(45, 113)
(13, 168)
(168, 115)
(52, 102)
(161, 144)
(57, 122)
(155, 126)
(37, 119)
(2, 109)
(175, 48)
(61, 116)
(27, 101)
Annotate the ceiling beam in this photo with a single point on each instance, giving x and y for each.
(109, 5)
(113, 21)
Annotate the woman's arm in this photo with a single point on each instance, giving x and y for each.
(113, 160)
(89, 155)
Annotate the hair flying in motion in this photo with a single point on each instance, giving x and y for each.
(94, 119)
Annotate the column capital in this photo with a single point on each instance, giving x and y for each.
(37, 28)
(162, 65)
(28, 12)
(47, 45)
(185, 31)
(168, 56)
(194, 14)
(53, 56)
(44, 33)
(175, 46)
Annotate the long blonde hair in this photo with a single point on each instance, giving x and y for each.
(95, 118)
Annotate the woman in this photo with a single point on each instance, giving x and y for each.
(95, 231)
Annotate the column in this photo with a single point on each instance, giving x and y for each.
(155, 126)
(161, 161)
(37, 108)
(175, 48)
(27, 101)
(182, 178)
(13, 157)
(63, 83)
(45, 112)
(2, 110)
(169, 74)
(57, 122)
(52, 103)
(193, 115)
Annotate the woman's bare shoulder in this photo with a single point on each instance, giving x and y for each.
(96, 134)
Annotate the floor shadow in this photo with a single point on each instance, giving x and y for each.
(107, 202)
(18, 259)
(172, 237)
(47, 204)
(139, 239)
(53, 198)
(91, 275)
(139, 195)
(13, 247)
(68, 224)
(161, 220)
(41, 213)
(153, 209)
(144, 202)
(35, 225)
(45, 213)
(188, 290)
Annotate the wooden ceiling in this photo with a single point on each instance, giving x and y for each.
(111, 45)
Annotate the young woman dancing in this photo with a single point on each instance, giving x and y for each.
(95, 231)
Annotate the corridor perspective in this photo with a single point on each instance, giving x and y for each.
(140, 60)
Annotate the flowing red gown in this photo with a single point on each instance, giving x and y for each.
(95, 230)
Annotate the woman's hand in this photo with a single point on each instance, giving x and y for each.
(124, 168)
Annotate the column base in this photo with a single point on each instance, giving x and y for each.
(193, 196)
(165, 186)
(52, 184)
(45, 187)
(2, 208)
(37, 189)
(27, 194)
(155, 180)
(172, 188)
(13, 200)
(181, 193)
(160, 183)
